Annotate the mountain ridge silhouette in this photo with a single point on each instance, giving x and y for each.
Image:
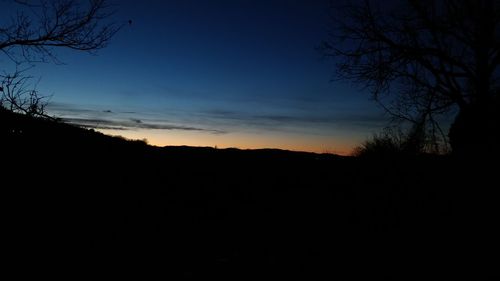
(101, 207)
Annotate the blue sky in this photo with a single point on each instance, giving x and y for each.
(214, 73)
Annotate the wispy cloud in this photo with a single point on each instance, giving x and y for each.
(221, 120)
(115, 120)
(132, 124)
(338, 118)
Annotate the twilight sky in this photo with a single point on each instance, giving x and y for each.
(232, 73)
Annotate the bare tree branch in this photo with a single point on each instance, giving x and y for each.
(40, 26)
(17, 94)
(420, 58)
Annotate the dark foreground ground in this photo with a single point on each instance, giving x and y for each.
(77, 204)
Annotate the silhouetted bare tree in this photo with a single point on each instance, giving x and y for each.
(18, 95)
(422, 58)
(37, 27)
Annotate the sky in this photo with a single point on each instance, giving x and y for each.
(232, 73)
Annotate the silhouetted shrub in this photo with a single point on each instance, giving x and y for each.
(380, 145)
(17, 94)
(394, 141)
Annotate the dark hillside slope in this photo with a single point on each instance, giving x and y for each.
(80, 204)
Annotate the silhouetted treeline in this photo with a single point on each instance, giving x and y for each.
(80, 204)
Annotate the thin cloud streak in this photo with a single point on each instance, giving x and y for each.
(108, 119)
(221, 120)
(299, 119)
(131, 124)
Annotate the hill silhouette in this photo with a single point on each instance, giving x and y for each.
(81, 204)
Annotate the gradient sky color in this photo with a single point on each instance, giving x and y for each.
(232, 73)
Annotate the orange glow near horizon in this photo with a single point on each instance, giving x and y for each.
(317, 144)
